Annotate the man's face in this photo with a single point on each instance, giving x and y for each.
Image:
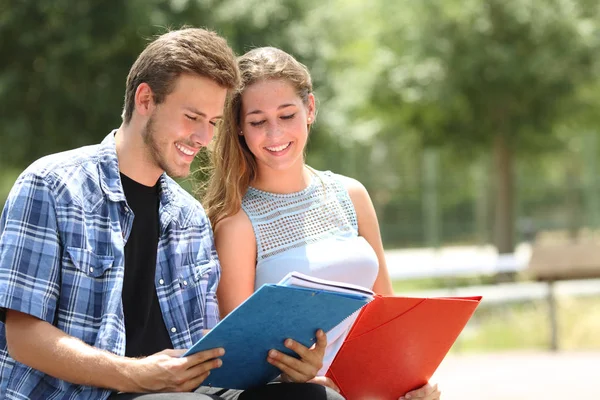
(184, 123)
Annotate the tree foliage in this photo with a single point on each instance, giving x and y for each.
(470, 78)
(497, 74)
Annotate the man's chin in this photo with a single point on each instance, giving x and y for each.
(178, 173)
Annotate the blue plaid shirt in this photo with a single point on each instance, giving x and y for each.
(62, 237)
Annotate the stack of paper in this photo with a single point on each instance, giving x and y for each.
(296, 279)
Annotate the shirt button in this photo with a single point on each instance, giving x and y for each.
(91, 269)
(161, 281)
(184, 283)
(173, 329)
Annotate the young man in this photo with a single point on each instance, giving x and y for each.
(108, 270)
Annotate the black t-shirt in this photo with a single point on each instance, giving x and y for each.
(145, 328)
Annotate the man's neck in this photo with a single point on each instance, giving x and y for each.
(134, 159)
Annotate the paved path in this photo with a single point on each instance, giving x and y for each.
(520, 376)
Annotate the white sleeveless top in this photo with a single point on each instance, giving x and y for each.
(314, 232)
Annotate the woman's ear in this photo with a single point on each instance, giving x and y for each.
(311, 109)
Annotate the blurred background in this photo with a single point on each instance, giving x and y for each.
(474, 124)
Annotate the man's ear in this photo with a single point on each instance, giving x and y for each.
(144, 100)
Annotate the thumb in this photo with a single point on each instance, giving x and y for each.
(172, 352)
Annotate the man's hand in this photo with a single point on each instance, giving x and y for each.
(426, 392)
(44, 347)
(167, 371)
(305, 368)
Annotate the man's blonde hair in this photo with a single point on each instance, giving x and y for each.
(189, 50)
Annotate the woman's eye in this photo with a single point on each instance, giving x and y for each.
(257, 123)
(190, 117)
(288, 116)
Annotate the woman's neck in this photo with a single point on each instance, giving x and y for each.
(283, 182)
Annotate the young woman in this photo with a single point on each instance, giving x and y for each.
(272, 213)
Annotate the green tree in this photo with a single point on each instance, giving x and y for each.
(491, 74)
(64, 63)
(64, 66)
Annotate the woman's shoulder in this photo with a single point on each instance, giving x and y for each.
(353, 186)
(235, 225)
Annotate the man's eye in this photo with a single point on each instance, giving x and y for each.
(288, 116)
(190, 117)
(257, 123)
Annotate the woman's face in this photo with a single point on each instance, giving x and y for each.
(274, 123)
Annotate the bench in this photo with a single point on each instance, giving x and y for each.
(556, 257)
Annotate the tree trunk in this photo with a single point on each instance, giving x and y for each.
(504, 180)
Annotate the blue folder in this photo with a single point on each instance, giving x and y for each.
(263, 322)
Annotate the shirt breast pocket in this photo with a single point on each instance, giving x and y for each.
(86, 262)
(85, 293)
(197, 274)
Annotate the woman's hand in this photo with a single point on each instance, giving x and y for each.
(305, 368)
(325, 381)
(427, 392)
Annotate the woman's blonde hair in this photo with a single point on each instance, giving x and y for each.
(233, 164)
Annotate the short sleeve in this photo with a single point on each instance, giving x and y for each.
(211, 312)
(29, 249)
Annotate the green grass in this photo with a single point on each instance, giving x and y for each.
(519, 326)
(526, 326)
(410, 285)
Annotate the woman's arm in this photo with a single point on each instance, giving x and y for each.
(236, 248)
(368, 227)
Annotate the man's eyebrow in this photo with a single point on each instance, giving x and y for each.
(279, 108)
(196, 111)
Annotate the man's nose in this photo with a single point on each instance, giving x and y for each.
(203, 135)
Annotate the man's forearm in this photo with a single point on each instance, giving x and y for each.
(42, 346)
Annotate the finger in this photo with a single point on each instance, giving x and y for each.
(172, 352)
(289, 374)
(435, 395)
(304, 351)
(313, 356)
(321, 339)
(201, 368)
(290, 362)
(420, 393)
(319, 345)
(193, 383)
(203, 356)
(197, 371)
(297, 348)
(307, 366)
(297, 373)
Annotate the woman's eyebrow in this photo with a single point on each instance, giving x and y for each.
(279, 108)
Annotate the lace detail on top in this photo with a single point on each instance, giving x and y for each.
(285, 221)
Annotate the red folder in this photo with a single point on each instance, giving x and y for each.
(397, 343)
